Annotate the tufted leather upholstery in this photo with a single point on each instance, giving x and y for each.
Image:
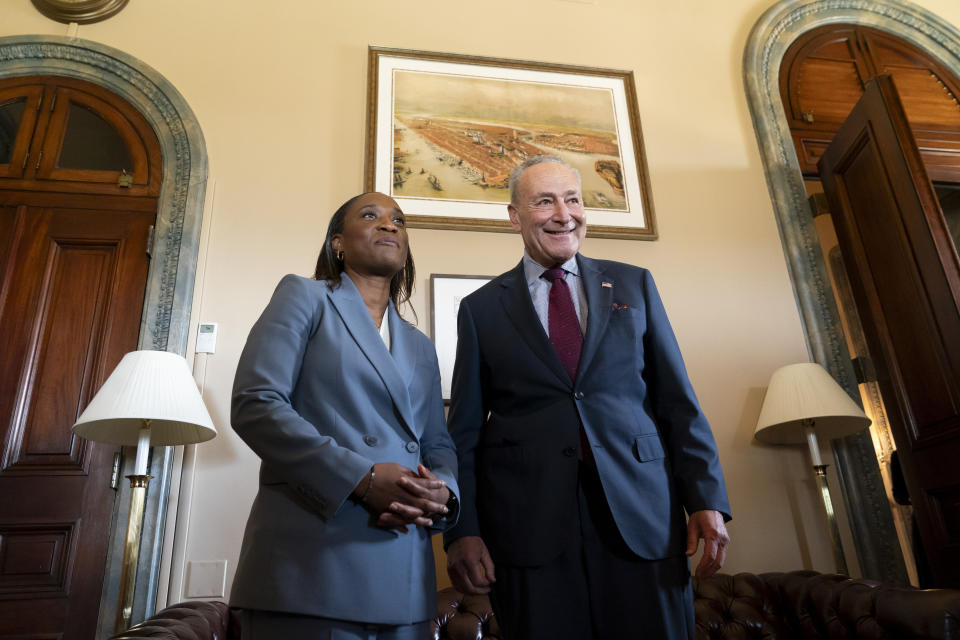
(815, 606)
(193, 620)
(463, 617)
(799, 605)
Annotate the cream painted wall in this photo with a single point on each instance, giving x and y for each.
(279, 90)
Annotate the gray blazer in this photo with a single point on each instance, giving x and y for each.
(320, 399)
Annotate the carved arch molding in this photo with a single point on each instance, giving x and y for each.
(871, 522)
(165, 319)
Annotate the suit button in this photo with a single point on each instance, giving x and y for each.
(578, 395)
(370, 441)
(412, 447)
(570, 452)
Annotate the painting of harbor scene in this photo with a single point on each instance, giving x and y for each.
(459, 137)
(446, 130)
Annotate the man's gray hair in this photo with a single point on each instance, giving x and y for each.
(535, 160)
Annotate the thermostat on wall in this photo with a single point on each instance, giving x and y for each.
(207, 337)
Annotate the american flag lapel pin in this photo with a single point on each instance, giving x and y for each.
(608, 285)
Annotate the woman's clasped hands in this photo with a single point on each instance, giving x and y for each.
(398, 496)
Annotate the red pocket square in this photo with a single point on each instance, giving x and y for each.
(617, 306)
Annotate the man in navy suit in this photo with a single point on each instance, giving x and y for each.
(588, 472)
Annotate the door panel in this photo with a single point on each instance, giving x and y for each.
(70, 310)
(905, 276)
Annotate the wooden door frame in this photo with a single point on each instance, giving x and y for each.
(165, 317)
(871, 523)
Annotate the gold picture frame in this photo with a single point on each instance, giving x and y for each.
(444, 130)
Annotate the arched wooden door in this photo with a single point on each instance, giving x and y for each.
(823, 76)
(80, 176)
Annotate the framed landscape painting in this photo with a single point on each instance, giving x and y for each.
(445, 131)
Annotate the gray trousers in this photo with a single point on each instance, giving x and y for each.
(270, 625)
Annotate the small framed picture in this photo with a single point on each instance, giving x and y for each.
(444, 131)
(446, 292)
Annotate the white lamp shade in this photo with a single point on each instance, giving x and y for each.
(799, 392)
(147, 385)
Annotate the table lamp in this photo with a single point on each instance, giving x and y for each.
(150, 399)
(803, 402)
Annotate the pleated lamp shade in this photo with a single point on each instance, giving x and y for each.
(147, 385)
(799, 392)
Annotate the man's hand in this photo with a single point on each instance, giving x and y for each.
(470, 566)
(709, 526)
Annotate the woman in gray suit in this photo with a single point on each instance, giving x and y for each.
(340, 398)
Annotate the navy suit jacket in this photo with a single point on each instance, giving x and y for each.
(515, 417)
(320, 399)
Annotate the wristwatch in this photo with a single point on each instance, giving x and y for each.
(453, 506)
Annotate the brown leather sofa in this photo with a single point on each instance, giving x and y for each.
(799, 605)
(192, 620)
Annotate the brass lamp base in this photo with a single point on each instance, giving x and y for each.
(131, 551)
(838, 557)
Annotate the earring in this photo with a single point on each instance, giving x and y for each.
(340, 255)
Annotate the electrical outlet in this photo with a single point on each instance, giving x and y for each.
(206, 579)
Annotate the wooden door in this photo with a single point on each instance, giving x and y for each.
(73, 270)
(905, 274)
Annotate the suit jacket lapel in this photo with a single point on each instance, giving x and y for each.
(348, 303)
(519, 307)
(404, 360)
(599, 308)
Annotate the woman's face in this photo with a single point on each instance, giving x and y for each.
(374, 237)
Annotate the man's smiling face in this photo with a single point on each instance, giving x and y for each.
(549, 213)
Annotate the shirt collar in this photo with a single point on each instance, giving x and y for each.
(532, 270)
(385, 327)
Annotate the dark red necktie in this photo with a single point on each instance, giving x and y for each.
(562, 322)
(566, 336)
